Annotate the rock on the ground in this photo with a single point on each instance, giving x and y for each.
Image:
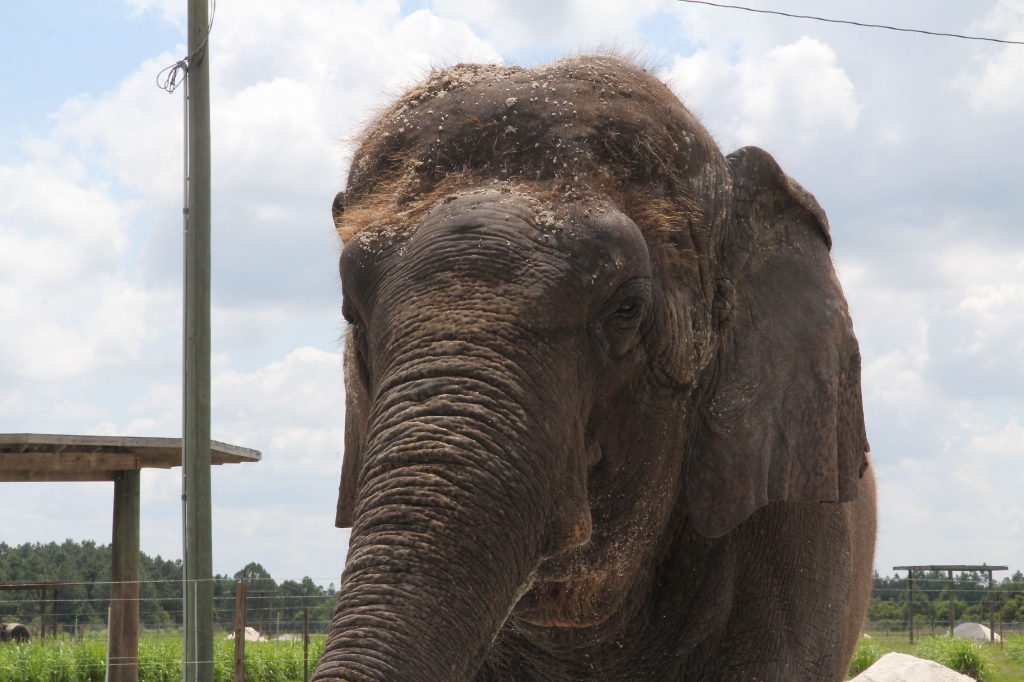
(250, 635)
(976, 631)
(894, 667)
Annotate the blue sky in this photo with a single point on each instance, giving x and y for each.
(912, 145)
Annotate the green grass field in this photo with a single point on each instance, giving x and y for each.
(1006, 665)
(159, 659)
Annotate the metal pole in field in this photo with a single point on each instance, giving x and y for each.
(240, 631)
(305, 644)
(910, 603)
(952, 605)
(991, 610)
(198, 564)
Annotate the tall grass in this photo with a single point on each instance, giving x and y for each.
(159, 660)
(1014, 647)
(864, 656)
(957, 653)
(36, 661)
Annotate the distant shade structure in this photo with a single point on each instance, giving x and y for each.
(976, 631)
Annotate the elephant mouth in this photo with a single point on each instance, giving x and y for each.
(557, 605)
(577, 598)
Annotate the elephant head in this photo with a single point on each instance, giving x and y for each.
(576, 330)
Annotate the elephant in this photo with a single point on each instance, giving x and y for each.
(603, 413)
(13, 632)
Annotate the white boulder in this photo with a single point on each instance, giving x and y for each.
(894, 667)
(250, 635)
(976, 631)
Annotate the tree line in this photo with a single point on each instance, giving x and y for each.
(271, 606)
(974, 598)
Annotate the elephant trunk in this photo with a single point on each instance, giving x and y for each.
(429, 580)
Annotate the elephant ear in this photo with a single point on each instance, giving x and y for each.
(783, 418)
(357, 404)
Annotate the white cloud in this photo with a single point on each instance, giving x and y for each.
(992, 82)
(1005, 444)
(172, 11)
(295, 405)
(62, 281)
(790, 97)
(565, 24)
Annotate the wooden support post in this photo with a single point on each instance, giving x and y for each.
(55, 612)
(910, 603)
(123, 652)
(1000, 630)
(952, 605)
(305, 644)
(198, 560)
(42, 614)
(240, 631)
(991, 610)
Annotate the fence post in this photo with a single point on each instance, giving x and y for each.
(109, 639)
(1000, 630)
(55, 613)
(991, 610)
(910, 603)
(952, 604)
(240, 631)
(42, 614)
(305, 644)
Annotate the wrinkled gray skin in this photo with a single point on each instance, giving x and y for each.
(603, 414)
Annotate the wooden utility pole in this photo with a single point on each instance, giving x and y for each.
(240, 631)
(198, 564)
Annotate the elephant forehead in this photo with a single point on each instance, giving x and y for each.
(579, 122)
(512, 238)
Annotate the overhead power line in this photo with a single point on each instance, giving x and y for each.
(855, 23)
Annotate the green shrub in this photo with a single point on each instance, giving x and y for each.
(864, 656)
(957, 653)
(1014, 647)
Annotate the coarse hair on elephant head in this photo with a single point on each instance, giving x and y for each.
(579, 338)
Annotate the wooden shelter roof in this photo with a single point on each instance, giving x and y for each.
(47, 457)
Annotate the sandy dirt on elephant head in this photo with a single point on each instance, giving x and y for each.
(565, 134)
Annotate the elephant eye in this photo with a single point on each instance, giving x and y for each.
(619, 321)
(359, 344)
(629, 309)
